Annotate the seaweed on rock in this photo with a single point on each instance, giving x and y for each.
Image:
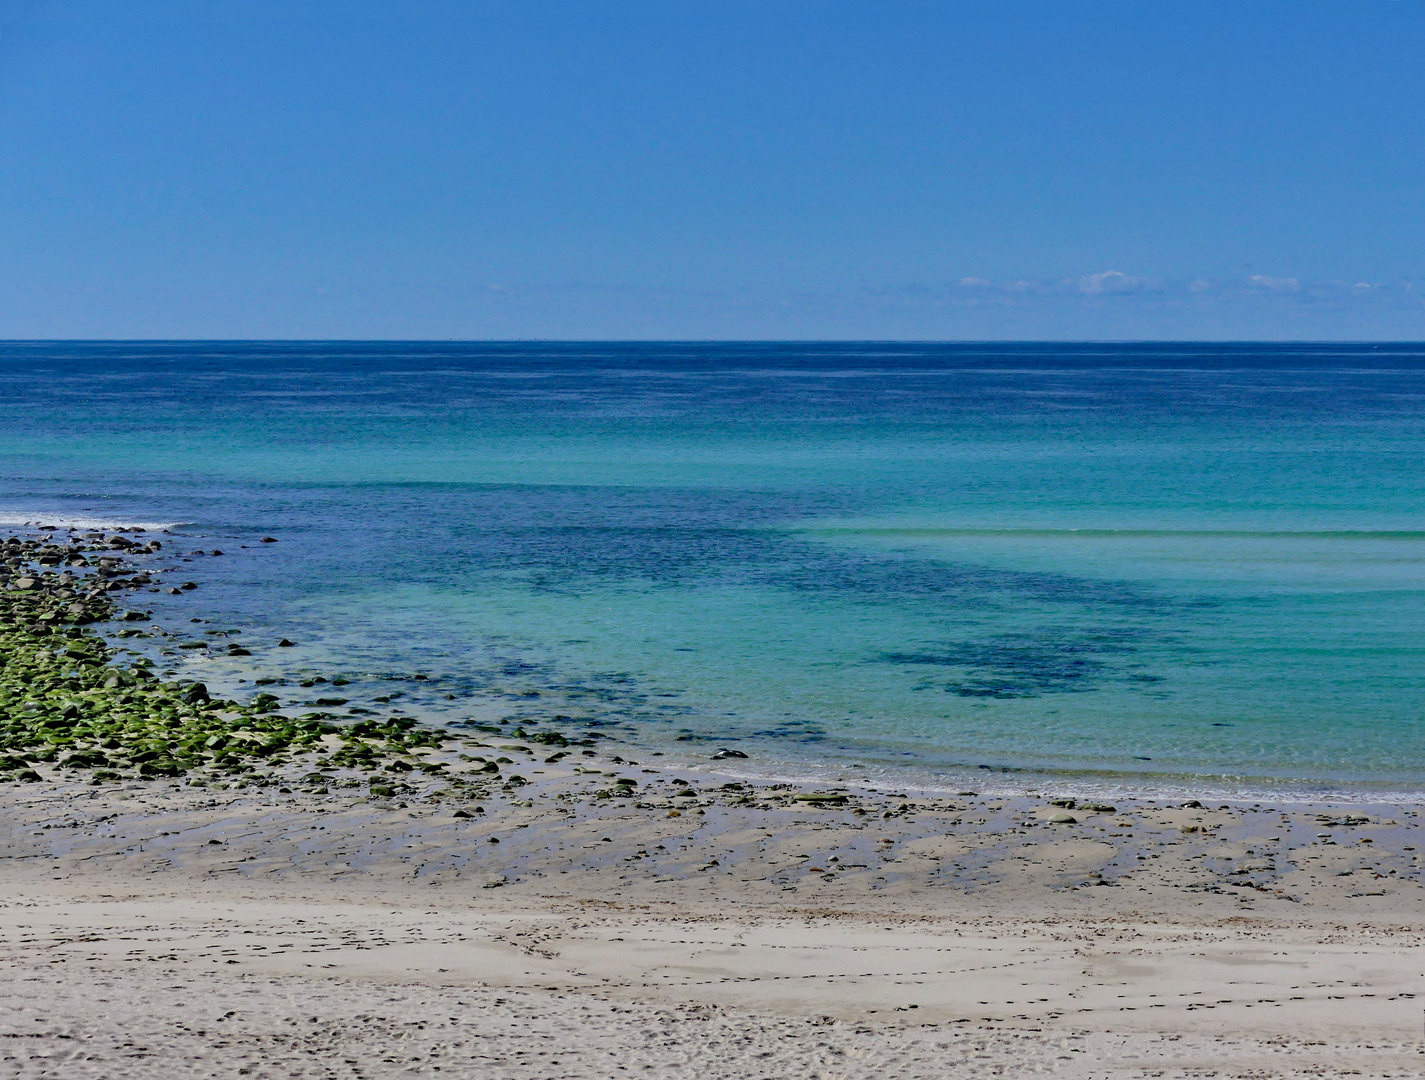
(67, 702)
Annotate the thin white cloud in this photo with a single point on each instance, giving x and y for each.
(1275, 284)
(1112, 282)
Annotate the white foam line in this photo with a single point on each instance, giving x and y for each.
(31, 520)
(919, 783)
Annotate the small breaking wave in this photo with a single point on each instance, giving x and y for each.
(32, 520)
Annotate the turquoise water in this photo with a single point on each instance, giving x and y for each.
(1145, 564)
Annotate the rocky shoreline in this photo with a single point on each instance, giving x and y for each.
(69, 701)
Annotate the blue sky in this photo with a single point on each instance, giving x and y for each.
(685, 169)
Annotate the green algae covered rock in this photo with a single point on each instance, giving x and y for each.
(67, 699)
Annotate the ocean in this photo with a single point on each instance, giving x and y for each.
(1014, 566)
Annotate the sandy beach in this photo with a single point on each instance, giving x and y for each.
(153, 929)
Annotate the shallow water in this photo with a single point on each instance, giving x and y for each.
(1196, 564)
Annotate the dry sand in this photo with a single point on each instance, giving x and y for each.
(733, 934)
